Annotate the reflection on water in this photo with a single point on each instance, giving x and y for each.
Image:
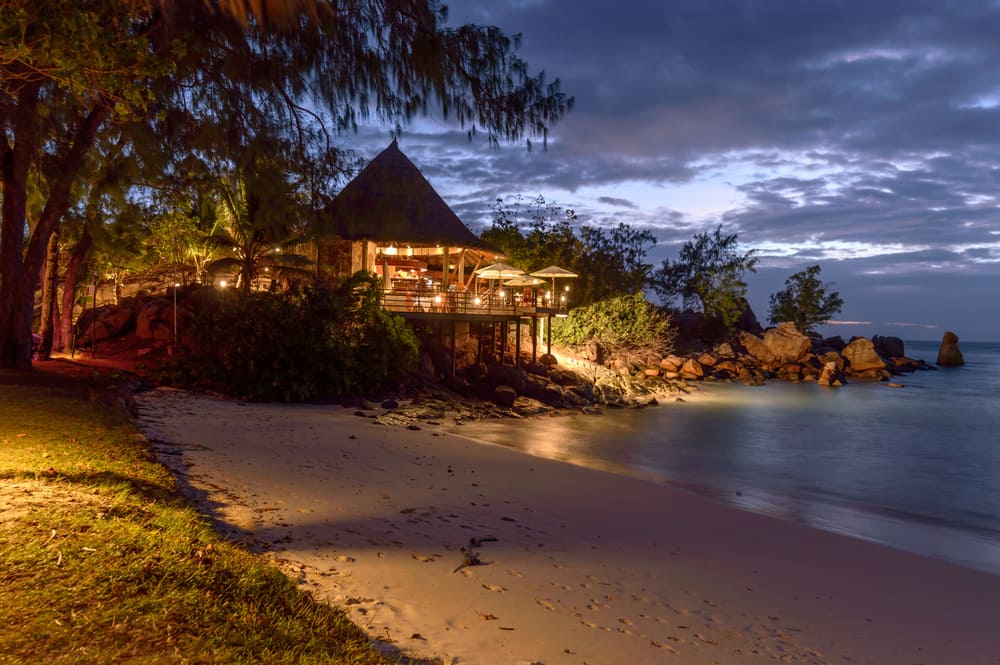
(917, 467)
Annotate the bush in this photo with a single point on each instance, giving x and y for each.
(315, 344)
(628, 321)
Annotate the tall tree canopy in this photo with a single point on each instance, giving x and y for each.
(204, 82)
(806, 301)
(708, 275)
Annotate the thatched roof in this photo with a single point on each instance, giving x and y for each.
(391, 201)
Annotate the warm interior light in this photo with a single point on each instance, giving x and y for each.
(548, 295)
(437, 299)
(409, 251)
(391, 250)
(478, 301)
(176, 284)
(503, 294)
(223, 283)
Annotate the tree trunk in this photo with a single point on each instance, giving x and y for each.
(74, 268)
(15, 324)
(20, 277)
(50, 284)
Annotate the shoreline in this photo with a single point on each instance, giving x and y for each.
(588, 566)
(973, 546)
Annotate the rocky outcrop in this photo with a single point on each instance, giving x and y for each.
(755, 348)
(861, 357)
(889, 347)
(106, 322)
(949, 354)
(786, 343)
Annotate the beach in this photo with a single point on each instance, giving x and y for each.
(571, 565)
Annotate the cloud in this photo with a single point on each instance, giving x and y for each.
(618, 203)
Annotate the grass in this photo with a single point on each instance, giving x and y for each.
(101, 560)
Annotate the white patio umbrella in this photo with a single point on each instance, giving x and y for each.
(498, 270)
(553, 272)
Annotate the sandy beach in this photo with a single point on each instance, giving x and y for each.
(575, 565)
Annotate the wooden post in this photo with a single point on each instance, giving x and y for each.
(534, 338)
(548, 334)
(517, 342)
(453, 334)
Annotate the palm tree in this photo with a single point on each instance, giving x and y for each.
(259, 227)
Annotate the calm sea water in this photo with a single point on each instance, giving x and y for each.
(916, 468)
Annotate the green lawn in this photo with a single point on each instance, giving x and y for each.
(101, 561)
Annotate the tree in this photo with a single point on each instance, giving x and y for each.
(71, 70)
(708, 275)
(805, 301)
(259, 222)
(609, 261)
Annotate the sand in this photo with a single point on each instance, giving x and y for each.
(586, 566)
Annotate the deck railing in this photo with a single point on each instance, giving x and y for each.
(487, 303)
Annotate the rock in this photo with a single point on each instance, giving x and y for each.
(526, 406)
(548, 360)
(389, 404)
(786, 343)
(860, 356)
(755, 347)
(504, 396)
(651, 371)
(592, 351)
(154, 318)
(692, 369)
(671, 363)
(748, 320)
(107, 322)
(949, 354)
(515, 377)
(831, 376)
(707, 359)
(563, 377)
(888, 347)
(724, 350)
(836, 343)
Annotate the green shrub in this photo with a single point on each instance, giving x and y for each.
(315, 344)
(617, 323)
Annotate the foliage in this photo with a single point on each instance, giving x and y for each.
(708, 275)
(120, 247)
(628, 321)
(315, 344)
(103, 562)
(805, 301)
(259, 221)
(608, 261)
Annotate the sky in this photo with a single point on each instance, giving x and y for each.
(863, 136)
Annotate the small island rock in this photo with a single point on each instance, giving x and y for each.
(949, 355)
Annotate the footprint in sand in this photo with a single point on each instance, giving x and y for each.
(343, 558)
(661, 645)
(514, 573)
(423, 558)
(494, 587)
(547, 604)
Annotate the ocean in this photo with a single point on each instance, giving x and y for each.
(916, 468)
